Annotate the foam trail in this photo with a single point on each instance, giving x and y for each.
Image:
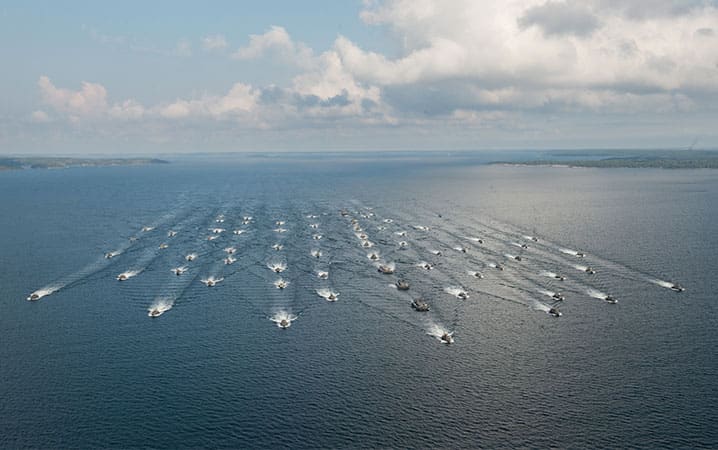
(40, 293)
(160, 306)
(328, 294)
(457, 292)
(285, 316)
(596, 294)
(441, 333)
(126, 275)
(666, 284)
(568, 251)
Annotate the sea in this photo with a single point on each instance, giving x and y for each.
(555, 318)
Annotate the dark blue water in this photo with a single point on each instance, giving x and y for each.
(85, 367)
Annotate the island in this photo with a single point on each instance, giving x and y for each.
(32, 162)
(662, 159)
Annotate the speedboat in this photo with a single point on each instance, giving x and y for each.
(212, 237)
(461, 249)
(436, 252)
(447, 338)
(426, 266)
(281, 284)
(179, 270)
(610, 299)
(554, 312)
(229, 260)
(517, 258)
(590, 271)
(476, 275)
(403, 244)
(279, 222)
(284, 324)
(209, 282)
(163, 246)
(316, 253)
(217, 230)
(314, 226)
(323, 275)
(109, 255)
(171, 233)
(344, 212)
(402, 285)
(677, 287)
(146, 229)
(277, 247)
(366, 244)
(34, 296)
(373, 256)
(385, 269)
(534, 238)
(558, 296)
(317, 237)
(462, 295)
(420, 305)
(560, 277)
(155, 313)
(238, 232)
(230, 250)
(499, 266)
(191, 257)
(122, 277)
(524, 246)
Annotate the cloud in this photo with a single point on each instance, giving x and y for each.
(89, 101)
(214, 42)
(183, 48)
(275, 42)
(560, 19)
(39, 116)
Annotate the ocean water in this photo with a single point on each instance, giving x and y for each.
(85, 367)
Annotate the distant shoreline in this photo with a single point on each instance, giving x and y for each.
(686, 159)
(9, 163)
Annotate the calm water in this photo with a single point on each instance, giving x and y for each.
(85, 367)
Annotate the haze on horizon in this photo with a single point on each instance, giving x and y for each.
(373, 75)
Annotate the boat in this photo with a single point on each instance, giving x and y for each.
(610, 299)
(122, 277)
(420, 305)
(34, 296)
(385, 269)
(447, 338)
(590, 271)
(284, 324)
(163, 246)
(402, 285)
(677, 287)
(558, 296)
(560, 277)
(554, 312)
(179, 270)
(155, 313)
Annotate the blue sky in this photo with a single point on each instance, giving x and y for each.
(153, 77)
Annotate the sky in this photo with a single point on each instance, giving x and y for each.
(131, 77)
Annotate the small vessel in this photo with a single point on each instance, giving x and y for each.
(146, 229)
(279, 222)
(229, 260)
(281, 284)
(426, 266)
(230, 250)
(323, 275)
(462, 295)
(554, 312)
(677, 287)
(558, 296)
(284, 324)
(589, 270)
(163, 246)
(367, 244)
(524, 246)
(560, 277)
(402, 285)
(610, 299)
(403, 244)
(211, 281)
(317, 237)
(385, 269)
(344, 212)
(420, 305)
(179, 270)
(437, 252)
(580, 254)
(517, 258)
(212, 237)
(155, 313)
(373, 256)
(217, 230)
(461, 249)
(499, 267)
(171, 233)
(238, 232)
(34, 296)
(122, 277)
(109, 255)
(191, 257)
(534, 238)
(476, 275)
(447, 338)
(277, 247)
(316, 253)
